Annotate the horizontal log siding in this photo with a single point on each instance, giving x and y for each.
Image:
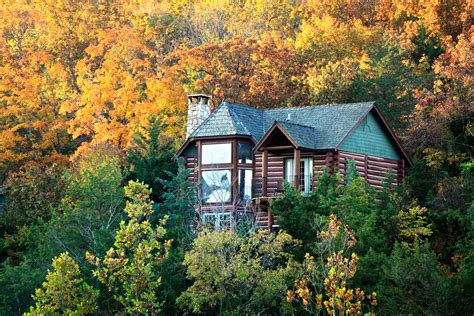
(319, 165)
(374, 169)
(276, 168)
(191, 164)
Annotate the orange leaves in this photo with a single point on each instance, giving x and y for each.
(31, 89)
(257, 72)
(120, 87)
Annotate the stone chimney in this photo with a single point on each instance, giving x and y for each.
(198, 110)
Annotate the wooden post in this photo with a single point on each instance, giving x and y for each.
(366, 167)
(401, 170)
(235, 173)
(199, 174)
(296, 169)
(336, 163)
(271, 220)
(329, 162)
(264, 171)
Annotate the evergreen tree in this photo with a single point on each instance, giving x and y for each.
(178, 204)
(413, 283)
(151, 156)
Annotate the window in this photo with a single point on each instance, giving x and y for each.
(216, 186)
(245, 184)
(217, 220)
(216, 153)
(245, 153)
(306, 173)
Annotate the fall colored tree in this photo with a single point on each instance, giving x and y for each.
(262, 72)
(323, 285)
(64, 291)
(32, 87)
(118, 80)
(130, 269)
(412, 225)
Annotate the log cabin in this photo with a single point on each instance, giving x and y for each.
(240, 156)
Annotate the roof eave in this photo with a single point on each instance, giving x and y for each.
(392, 134)
(270, 131)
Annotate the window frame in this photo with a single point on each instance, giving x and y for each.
(218, 219)
(239, 142)
(229, 143)
(234, 166)
(242, 199)
(308, 187)
(230, 186)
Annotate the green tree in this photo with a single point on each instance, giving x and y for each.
(64, 291)
(413, 283)
(179, 198)
(92, 207)
(178, 204)
(356, 206)
(323, 281)
(237, 275)
(150, 156)
(33, 190)
(31, 193)
(462, 282)
(299, 214)
(19, 281)
(131, 268)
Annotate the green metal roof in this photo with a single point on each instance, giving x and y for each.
(313, 127)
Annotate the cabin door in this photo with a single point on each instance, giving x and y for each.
(306, 173)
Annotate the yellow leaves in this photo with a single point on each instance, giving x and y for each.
(64, 291)
(324, 283)
(412, 225)
(290, 296)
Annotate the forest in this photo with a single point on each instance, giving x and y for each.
(97, 217)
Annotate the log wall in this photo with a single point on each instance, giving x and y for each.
(374, 169)
(276, 168)
(190, 163)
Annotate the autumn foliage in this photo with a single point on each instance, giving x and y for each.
(75, 73)
(93, 94)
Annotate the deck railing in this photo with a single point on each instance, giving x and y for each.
(275, 185)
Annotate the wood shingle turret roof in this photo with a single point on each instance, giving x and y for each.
(314, 127)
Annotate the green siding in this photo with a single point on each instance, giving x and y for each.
(369, 138)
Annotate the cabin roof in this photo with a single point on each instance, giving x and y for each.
(313, 127)
(303, 136)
